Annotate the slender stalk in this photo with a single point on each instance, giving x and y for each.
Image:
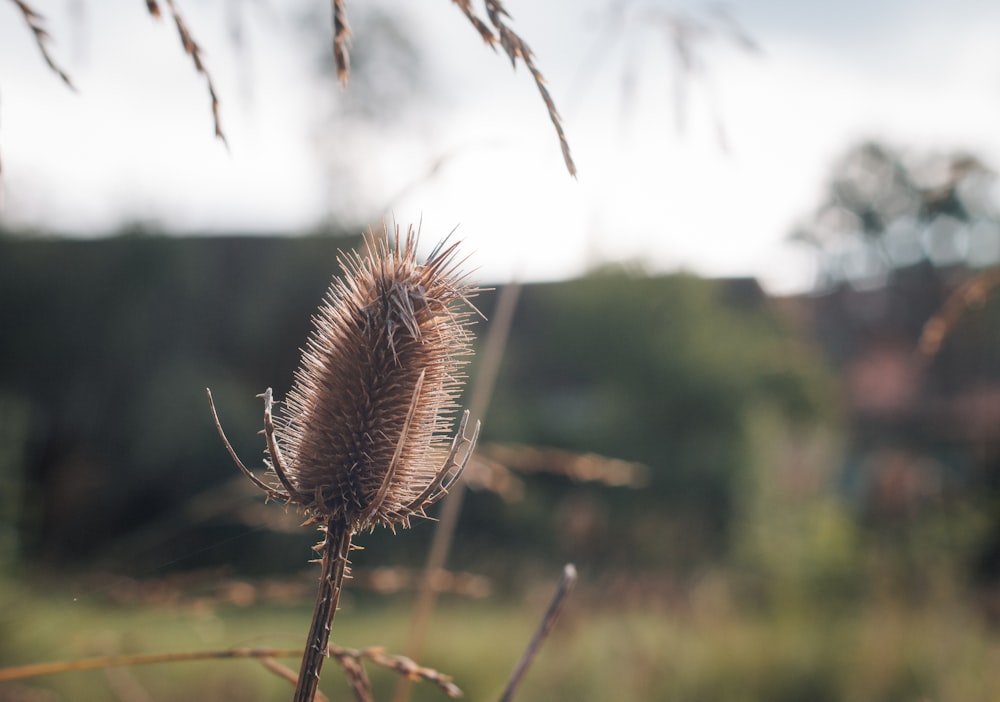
(437, 556)
(333, 561)
(566, 583)
(35, 670)
(399, 664)
(389, 324)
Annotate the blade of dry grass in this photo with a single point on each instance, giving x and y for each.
(39, 669)
(399, 664)
(566, 583)
(192, 49)
(36, 23)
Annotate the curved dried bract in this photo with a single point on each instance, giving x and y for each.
(268, 490)
(454, 464)
(277, 462)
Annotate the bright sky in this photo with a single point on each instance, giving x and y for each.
(135, 143)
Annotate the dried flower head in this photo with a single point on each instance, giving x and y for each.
(378, 384)
(361, 439)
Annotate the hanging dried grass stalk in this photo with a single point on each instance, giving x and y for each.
(341, 34)
(516, 48)
(362, 438)
(192, 49)
(497, 31)
(36, 23)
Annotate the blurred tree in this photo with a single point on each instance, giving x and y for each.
(907, 246)
(110, 344)
(886, 210)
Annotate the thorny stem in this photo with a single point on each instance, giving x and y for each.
(333, 561)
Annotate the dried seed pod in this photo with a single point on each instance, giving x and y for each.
(362, 432)
(361, 439)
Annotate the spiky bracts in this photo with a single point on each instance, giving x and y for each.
(363, 430)
(361, 439)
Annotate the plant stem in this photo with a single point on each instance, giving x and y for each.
(335, 549)
(566, 583)
(437, 556)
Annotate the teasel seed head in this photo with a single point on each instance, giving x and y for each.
(363, 433)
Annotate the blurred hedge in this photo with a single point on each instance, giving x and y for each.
(108, 345)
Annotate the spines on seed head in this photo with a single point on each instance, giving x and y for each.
(364, 428)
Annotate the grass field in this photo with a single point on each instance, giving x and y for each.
(707, 648)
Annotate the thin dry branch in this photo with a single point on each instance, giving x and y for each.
(566, 583)
(36, 24)
(400, 664)
(192, 49)
(357, 678)
(35, 670)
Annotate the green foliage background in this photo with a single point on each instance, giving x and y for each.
(739, 571)
(112, 342)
